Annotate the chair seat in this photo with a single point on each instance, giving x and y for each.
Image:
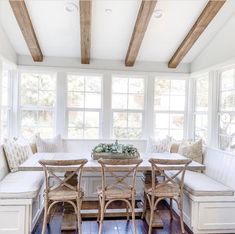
(166, 190)
(64, 193)
(115, 193)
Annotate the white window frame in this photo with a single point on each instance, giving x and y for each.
(99, 110)
(36, 108)
(183, 112)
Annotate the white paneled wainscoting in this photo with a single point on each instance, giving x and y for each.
(209, 201)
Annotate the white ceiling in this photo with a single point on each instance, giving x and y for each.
(58, 31)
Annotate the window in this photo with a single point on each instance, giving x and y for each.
(127, 107)
(169, 105)
(84, 106)
(201, 107)
(227, 110)
(5, 102)
(37, 104)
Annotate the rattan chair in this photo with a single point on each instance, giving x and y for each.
(170, 187)
(119, 187)
(62, 191)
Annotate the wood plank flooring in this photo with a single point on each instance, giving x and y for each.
(115, 226)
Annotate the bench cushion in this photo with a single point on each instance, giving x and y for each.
(21, 184)
(199, 184)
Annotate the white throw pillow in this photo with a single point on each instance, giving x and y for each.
(191, 150)
(16, 151)
(50, 145)
(159, 145)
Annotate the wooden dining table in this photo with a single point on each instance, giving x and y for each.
(69, 222)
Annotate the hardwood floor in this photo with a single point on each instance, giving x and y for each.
(117, 225)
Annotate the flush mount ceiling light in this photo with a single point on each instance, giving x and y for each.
(108, 11)
(71, 7)
(158, 14)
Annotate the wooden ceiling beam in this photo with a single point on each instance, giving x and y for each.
(145, 12)
(22, 16)
(85, 30)
(207, 15)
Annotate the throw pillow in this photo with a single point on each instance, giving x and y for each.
(50, 145)
(193, 151)
(159, 145)
(16, 151)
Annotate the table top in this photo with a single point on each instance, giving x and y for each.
(32, 164)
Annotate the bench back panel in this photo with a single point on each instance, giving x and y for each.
(4, 170)
(220, 166)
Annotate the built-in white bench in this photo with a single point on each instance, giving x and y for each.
(209, 201)
(21, 199)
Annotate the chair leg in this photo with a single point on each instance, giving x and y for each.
(102, 215)
(99, 208)
(127, 213)
(151, 215)
(181, 218)
(45, 217)
(171, 212)
(79, 220)
(133, 213)
(144, 207)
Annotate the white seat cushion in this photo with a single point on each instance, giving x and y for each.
(21, 184)
(199, 184)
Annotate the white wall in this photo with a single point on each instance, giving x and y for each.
(6, 50)
(220, 51)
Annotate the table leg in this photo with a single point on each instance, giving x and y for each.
(69, 216)
(157, 221)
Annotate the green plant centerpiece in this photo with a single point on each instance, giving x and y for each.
(116, 150)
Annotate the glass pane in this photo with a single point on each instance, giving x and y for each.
(162, 87)
(134, 120)
(75, 83)
(177, 87)
(75, 133)
(29, 97)
(29, 81)
(136, 102)
(121, 133)
(28, 132)
(92, 100)
(176, 121)
(201, 122)
(201, 135)
(93, 84)
(177, 103)
(46, 98)
(177, 134)
(4, 92)
(45, 132)
(228, 80)
(45, 118)
(119, 85)
(161, 133)
(91, 119)
(119, 101)
(136, 85)
(119, 120)
(134, 133)
(202, 102)
(202, 85)
(47, 82)
(228, 100)
(75, 99)
(161, 120)
(4, 123)
(225, 142)
(29, 118)
(161, 102)
(91, 133)
(75, 119)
